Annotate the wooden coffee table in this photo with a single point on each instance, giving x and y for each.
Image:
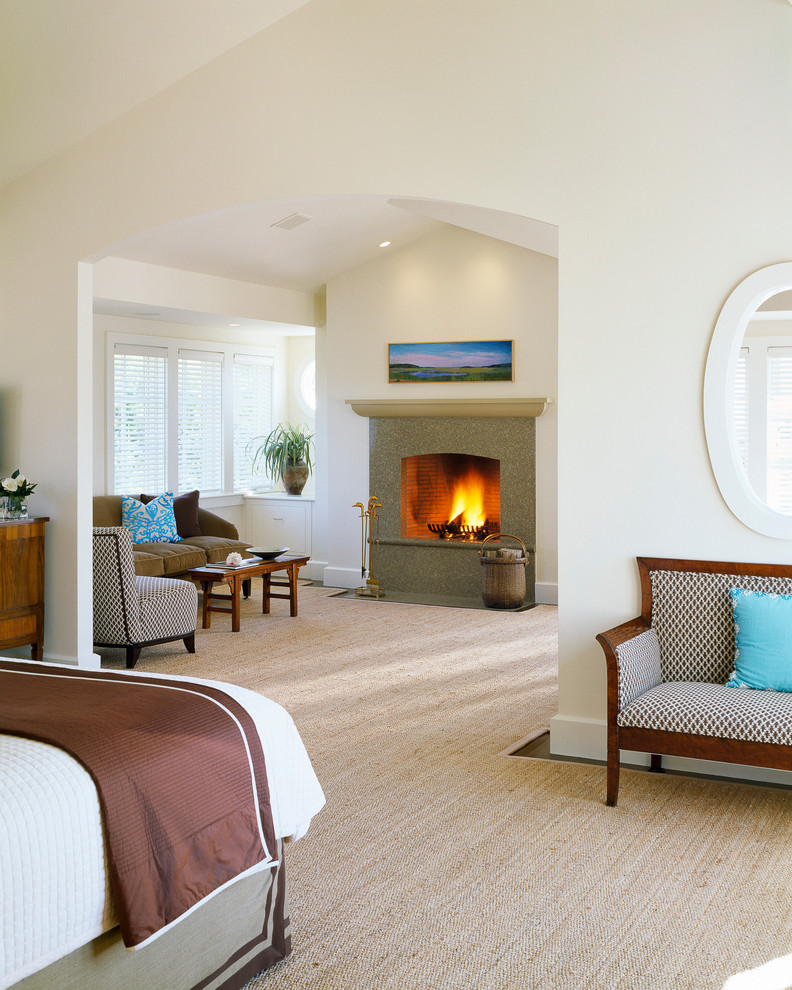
(235, 577)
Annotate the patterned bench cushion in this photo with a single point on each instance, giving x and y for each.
(713, 710)
(693, 618)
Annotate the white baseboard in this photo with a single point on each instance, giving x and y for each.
(546, 592)
(342, 577)
(89, 661)
(314, 570)
(584, 738)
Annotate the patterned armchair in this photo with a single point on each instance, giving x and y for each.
(132, 612)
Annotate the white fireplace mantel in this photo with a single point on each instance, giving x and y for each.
(449, 407)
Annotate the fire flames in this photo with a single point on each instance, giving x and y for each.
(467, 504)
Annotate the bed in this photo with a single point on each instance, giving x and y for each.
(82, 903)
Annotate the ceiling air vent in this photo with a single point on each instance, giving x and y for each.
(290, 222)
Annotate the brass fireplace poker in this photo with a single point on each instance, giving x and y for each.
(368, 520)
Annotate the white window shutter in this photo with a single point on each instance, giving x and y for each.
(779, 429)
(253, 416)
(139, 420)
(741, 407)
(200, 462)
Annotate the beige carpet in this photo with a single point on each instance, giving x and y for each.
(439, 864)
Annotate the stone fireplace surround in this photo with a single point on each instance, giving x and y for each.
(442, 571)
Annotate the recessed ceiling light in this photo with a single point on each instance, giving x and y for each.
(235, 324)
(385, 244)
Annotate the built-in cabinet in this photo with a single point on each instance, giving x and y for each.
(279, 521)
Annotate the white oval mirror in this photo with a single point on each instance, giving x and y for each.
(748, 401)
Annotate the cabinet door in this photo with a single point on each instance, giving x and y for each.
(281, 524)
(21, 565)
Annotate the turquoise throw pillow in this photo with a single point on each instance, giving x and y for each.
(150, 523)
(763, 633)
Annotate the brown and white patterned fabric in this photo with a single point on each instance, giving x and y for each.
(693, 618)
(116, 612)
(639, 666)
(168, 607)
(130, 609)
(713, 710)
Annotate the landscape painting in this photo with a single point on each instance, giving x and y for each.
(460, 361)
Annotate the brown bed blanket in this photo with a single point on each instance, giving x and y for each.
(180, 773)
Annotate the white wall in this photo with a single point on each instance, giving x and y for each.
(450, 285)
(656, 136)
(170, 288)
(769, 328)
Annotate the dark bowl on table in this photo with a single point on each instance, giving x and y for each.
(267, 553)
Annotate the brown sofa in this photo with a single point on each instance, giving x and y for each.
(218, 539)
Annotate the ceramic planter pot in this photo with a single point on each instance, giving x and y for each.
(294, 477)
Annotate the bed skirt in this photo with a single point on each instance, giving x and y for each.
(233, 936)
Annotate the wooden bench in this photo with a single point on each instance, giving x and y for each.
(667, 671)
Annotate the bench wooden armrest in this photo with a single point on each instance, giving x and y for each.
(610, 641)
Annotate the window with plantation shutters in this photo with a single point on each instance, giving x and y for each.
(139, 449)
(253, 416)
(183, 417)
(200, 436)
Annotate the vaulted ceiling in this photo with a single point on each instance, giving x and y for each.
(68, 67)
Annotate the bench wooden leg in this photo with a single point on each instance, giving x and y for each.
(613, 778)
(656, 764)
(132, 654)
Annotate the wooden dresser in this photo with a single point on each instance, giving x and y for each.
(22, 584)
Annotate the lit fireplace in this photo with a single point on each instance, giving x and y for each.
(450, 497)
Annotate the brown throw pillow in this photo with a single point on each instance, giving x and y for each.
(185, 509)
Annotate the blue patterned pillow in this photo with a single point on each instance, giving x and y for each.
(150, 523)
(763, 634)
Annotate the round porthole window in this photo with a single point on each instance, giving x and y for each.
(306, 385)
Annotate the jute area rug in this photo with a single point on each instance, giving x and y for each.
(437, 863)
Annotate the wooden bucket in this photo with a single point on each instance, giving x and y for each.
(503, 574)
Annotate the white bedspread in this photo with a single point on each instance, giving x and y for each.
(54, 894)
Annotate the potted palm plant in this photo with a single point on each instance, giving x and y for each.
(286, 453)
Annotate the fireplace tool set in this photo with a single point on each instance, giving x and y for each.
(368, 520)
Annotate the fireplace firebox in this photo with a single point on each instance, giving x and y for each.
(449, 497)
